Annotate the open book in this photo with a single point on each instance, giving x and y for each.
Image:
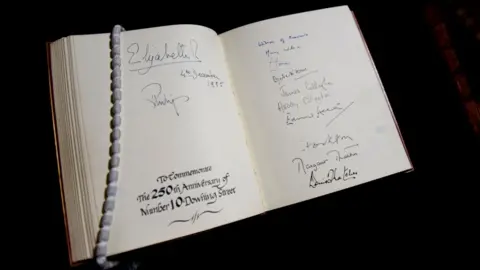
(217, 127)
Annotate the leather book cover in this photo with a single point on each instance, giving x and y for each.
(456, 30)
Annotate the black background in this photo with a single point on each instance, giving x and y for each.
(429, 211)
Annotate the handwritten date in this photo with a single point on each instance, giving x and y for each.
(194, 74)
(214, 84)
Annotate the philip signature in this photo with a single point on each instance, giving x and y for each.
(156, 98)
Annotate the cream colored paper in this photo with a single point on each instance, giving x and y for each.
(184, 162)
(316, 114)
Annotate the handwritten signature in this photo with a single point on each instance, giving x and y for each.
(276, 63)
(302, 167)
(291, 48)
(318, 98)
(321, 111)
(155, 57)
(282, 40)
(293, 72)
(329, 140)
(345, 155)
(282, 107)
(290, 37)
(195, 216)
(157, 99)
(291, 119)
(288, 92)
(333, 175)
(314, 85)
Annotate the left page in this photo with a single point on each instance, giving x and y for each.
(184, 163)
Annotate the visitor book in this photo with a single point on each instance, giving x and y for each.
(216, 128)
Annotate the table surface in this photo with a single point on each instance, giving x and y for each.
(396, 209)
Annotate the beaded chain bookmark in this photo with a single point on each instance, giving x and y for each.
(114, 162)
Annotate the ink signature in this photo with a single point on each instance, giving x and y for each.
(345, 155)
(155, 57)
(157, 99)
(333, 175)
(329, 140)
(302, 167)
(314, 85)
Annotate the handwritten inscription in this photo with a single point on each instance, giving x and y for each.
(319, 112)
(142, 58)
(282, 107)
(194, 74)
(179, 190)
(297, 36)
(334, 174)
(329, 140)
(322, 111)
(333, 165)
(265, 42)
(213, 81)
(282, 40)
(307, 96)
(292, 119)
(305, 167)
(303, 92)
(279, 78)
(346, 153)
(314, 85)
(290, 48)
(318, 98)
(156, 97)
(285, 92)
(275, 64)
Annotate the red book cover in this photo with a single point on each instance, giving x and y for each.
(456, 30)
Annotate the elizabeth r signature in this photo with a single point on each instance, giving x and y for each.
(160, 56)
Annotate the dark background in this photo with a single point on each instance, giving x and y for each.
(429, 211)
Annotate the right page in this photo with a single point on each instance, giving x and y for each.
(316, 115)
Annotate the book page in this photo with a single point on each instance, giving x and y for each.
(184, 163)
(316, 114)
